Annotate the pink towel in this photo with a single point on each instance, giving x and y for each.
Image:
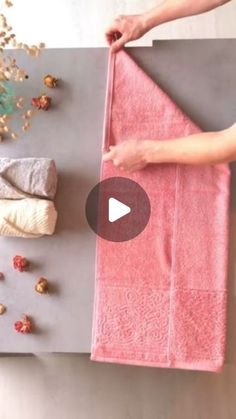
(161, 298)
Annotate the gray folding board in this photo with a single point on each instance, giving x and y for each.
(199, 75)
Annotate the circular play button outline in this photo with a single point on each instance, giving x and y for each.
(118, 209)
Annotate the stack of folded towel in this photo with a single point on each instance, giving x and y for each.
(27, 189)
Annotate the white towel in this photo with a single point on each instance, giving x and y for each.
(28, 218)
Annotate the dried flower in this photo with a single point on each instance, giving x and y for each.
(24, 325)
(42, 102)
(50, 81)
(9, 70)
(42, 286)
(20, 263)
(2, 309)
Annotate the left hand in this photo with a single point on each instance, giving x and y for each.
(129, 155)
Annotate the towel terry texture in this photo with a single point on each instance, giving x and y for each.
(160, 298)
(27, 177)
(28, 218)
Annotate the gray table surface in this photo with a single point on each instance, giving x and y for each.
(200, 76)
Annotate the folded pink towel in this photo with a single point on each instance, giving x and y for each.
(161, 297)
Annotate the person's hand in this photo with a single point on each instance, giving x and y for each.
(124, 29)
(131, 155)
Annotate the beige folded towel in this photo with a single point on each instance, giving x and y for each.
(27, 178)
(29, 218)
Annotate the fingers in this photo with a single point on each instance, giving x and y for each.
(107, 156)
(111, 155)
(117, 45)
(112, 33)
(115, 35)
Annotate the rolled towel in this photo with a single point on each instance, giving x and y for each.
(28, 218)
(27, 177)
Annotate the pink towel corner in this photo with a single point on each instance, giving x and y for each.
(160, 298)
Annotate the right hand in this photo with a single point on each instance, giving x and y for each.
(124, 29)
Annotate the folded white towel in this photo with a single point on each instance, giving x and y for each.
(29, 218)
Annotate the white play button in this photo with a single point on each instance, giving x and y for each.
(117, 210)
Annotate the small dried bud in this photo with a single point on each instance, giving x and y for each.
(50, 81)
(42, 286)
(20, 263)
(2, 309)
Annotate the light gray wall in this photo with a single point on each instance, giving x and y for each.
(81, 23)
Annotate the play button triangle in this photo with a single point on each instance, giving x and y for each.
(117, 210)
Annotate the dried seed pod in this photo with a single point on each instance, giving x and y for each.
(2, 309)
(24, 325)
(8, 3)
(14, 136)
(19, 105)
(26, 126)
(7, 75)
(20, 263)
(28, 114)
(34, 51)
(42, 286)
(5, 117)
(50, 81)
